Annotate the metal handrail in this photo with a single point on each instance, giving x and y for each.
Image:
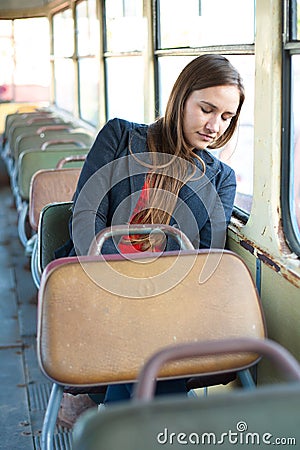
(121, 230)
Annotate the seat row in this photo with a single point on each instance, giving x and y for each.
(39, 148)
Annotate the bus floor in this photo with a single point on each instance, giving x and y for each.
(24, 389)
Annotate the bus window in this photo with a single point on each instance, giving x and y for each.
(125, 88)
(64, 84)
(88, 39)
(123, 16)
(169, 68)
(238, 153)
(295, 151)
(7, 61)
(63, 42)
(290, 198)
(26, 75)
(63, 32)
(206, 22)
(298, 20)
(124, 59)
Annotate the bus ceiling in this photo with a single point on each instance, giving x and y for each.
(16, 9)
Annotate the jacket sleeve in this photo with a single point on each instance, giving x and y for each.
(213, 233)
(91, 199)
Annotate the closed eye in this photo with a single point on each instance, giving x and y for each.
(227, 117)
(205, 110)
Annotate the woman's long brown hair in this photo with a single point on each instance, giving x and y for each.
(171, 154)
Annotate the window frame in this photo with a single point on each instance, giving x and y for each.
(291, 47)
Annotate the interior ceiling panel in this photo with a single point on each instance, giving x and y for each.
(10, 9)
(22, 4)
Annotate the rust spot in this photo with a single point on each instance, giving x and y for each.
(26, 433)
(247, 246)
(284, 247)
(25, 423)
(261, 256)
(268, 261)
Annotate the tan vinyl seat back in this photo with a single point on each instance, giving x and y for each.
(50, 186)
(100, 320)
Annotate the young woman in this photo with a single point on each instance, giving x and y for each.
(159, 173)
(163, 172)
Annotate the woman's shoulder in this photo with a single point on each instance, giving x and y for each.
(217, 164)
(126, 125)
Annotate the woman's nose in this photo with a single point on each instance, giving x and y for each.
(213, 125)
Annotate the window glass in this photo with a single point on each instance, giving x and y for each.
(123, 16)
(63, 33)
(31, 60)
(206, 22)
(125, 88)
(6, 28)
(238, 153)
(64, 84)
(298, 20)
(169, 67)
(89, 90)
(6, 60)
(295, 146)
(87, 28)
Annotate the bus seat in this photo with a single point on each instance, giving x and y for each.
(101, 318)
(240, 417)
(61, 184)
(35, 141)
(31, 139)
(22, 115)
(24, 123)
(50, 186)
(53, 231)
(19, 127)
(30, 162)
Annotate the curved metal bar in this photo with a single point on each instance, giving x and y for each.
(68, 159)
(34, 263)
(51, 416)
(278, 354)
(62, 141)
(52, 128)
(23, 213)
(40, 118)
(121, 230)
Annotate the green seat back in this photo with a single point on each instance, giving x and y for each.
(35, 141)
(239, 420)
(18, 128)
(53, 231)
(31, 161)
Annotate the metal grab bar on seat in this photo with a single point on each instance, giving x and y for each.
(121, 230)
(145, 386)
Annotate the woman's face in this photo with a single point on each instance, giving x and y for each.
(207, 114)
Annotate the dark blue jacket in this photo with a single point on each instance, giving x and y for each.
(113, 176)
